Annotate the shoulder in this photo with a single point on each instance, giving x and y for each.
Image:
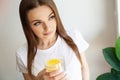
(22, 51)
(78, 39)
(21, 58)
(76, 36)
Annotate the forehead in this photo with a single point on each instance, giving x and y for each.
(39, 12)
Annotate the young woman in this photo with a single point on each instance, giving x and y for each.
(47, 38)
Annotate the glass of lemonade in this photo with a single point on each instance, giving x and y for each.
(54, 64)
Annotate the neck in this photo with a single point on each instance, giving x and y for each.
(45, 44)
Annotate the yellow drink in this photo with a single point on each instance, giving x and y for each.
(53, 64)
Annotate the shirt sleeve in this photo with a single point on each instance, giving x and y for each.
(79, 40)
(73, 70)
(21, 62)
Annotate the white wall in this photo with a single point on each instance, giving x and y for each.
(118, 15)
(95, 19)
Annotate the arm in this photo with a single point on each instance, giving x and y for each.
(55, 75)
(85, 68)
(26, 76)
(38, 77)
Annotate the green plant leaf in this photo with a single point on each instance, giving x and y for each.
(118, 48)
(110, 57)
(115, 72)
(108, 76)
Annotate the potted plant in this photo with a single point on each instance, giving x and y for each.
(112, 56)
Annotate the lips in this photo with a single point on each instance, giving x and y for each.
(47, 33)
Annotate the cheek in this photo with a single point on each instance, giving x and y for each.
(37, 31)
(53, 25)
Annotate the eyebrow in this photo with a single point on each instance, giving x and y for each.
(40, 20)
(51, 13)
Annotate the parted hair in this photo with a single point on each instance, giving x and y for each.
(32, 39)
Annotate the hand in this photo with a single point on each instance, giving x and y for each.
(55, 75)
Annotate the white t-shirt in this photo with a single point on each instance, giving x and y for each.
(59, 50)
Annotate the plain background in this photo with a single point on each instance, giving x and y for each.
(118, 16)
(95, 19)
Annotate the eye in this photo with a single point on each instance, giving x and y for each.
(37, 23)
(52, 17)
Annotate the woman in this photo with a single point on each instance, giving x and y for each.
(47, 38)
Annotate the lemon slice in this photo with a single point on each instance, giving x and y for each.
(53, 64)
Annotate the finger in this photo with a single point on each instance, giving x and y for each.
(60, 76)
(54, 73)
(46, 77)
(64, 77)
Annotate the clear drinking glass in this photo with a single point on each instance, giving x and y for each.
(55, 63)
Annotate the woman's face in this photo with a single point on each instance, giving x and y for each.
(42, 22)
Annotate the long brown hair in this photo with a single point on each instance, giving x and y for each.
(32, 40)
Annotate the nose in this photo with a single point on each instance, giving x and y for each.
(46, 26)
